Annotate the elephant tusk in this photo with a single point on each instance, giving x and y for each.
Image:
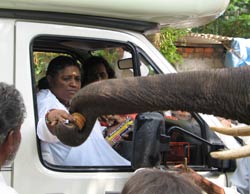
(236, 131)
(241, 152)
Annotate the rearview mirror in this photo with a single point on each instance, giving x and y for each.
(125, 63)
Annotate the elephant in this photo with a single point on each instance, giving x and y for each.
(222, 92)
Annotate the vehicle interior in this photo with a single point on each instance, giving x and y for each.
(186, 136)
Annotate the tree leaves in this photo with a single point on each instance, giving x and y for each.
(235, 22)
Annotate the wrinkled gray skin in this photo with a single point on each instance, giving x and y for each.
(221, 92)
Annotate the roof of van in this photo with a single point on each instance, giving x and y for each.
(174, 13)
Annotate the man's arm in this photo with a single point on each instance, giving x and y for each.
(208, 186)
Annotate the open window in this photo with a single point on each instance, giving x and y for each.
(122, 58)
(46, 48)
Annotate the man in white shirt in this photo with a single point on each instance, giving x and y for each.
(241, 176)
(12, 114)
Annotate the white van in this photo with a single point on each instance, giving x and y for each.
(33, 32)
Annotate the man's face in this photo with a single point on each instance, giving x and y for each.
(14, 148)
(97, 73)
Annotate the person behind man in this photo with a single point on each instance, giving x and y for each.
(96, 68)
(241, 176)
(63, 80)
(155, 181)
(12, 114)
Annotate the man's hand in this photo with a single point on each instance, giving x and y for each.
(205, 184)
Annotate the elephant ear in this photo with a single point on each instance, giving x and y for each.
(148, 130)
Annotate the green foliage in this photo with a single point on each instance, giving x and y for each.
(235, 22)
(168, 36)
(41, 61)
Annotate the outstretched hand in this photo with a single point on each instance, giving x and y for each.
(183, 169)
(205, 184)
(56, 115)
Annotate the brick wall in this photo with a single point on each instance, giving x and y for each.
(200, 57)
(201, 52)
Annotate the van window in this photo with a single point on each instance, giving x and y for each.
(99, 151)
(110, 145)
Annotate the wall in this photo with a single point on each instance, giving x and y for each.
(201, 57)
(202, 51)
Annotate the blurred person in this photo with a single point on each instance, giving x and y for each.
(155, 181)
(241, 176)
(212, 188)
(12, 114)
(96, 68)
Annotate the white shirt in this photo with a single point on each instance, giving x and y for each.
(4, 188)
(241, 176)
(231, 190)
(95, 151)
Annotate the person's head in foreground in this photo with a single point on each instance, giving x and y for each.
(155, 181)
(12, 114)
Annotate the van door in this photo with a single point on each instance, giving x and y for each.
(7, 50)
(41, 178)
(7, 69)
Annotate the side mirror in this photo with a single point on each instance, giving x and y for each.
(148, 140)
(125, 63)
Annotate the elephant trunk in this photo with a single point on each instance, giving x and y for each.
(222, 92)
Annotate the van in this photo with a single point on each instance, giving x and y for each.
(33, 32)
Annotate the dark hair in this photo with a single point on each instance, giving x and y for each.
(94, 61)
(155, 181)
(57, 64)
(12, 110)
